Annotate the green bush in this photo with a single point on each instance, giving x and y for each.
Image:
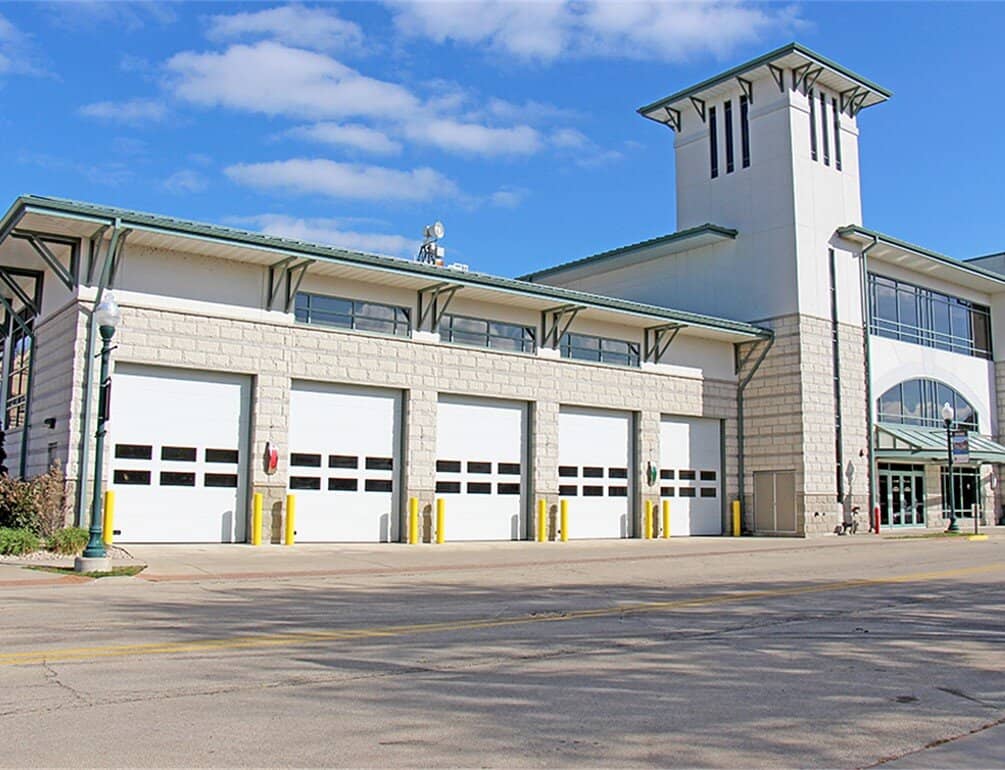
(19, 505)
(69, 541)
(15, 542)
(37, 504)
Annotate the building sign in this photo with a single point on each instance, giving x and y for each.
(961, 447)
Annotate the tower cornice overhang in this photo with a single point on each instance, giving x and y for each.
(791, 66)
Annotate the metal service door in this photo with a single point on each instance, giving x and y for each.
(481, 467)
(595, 471)
(775, 501)
(177, 455)
(344, 460)
(691, 474)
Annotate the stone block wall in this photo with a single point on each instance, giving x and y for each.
(790, 421)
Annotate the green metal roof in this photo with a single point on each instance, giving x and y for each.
(889, 240)
(930, 444)
(660, 240)
(761, 60)
(169, 225)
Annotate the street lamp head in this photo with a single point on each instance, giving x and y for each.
(107, 313)
(947, 412)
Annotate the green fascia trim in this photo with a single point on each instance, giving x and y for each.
(921, 252)
(660, 240)
(933, 441)
(765, 59)
(102, 215)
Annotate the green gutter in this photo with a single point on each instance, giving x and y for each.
(887, 240)
(140, 221)
(767, 58)
(661, 240)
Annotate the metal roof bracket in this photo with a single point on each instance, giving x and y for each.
(555, 322)
(66, 275)
(32, 303)
(673, 118)
(286, 274)
(748, 88)
(779, 76)
(699, 107)
(433, 302)
(657, 339)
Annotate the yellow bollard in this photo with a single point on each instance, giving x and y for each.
(647, 521)
(108, 520)
(441, 512)
(666, 519)
(291, 518)
(413, 520)
(256, 519)
(736, 518)
(542, 522)
(564, 520)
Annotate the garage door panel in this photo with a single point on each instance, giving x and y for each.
(343, 462)
(595, 471)
(691, 474)
(178, 464)
(481, 467)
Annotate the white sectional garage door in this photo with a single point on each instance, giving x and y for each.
(595, 471)
(481, 468)
(344, 461)
(691, 474)
(178, 442)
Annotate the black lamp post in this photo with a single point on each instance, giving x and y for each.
(947, 416)
(107, 317)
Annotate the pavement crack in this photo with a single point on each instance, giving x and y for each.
(965, 696)
(52, 677)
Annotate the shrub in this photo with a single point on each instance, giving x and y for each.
(18, 504)
(37, 504)
(15, 542)
(69, 541)
(50, 491)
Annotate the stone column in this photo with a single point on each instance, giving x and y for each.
(420, 456)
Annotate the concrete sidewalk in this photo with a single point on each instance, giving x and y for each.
(197, 562)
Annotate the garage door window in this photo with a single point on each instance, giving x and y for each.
(352, 314)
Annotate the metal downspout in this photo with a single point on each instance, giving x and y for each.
(114, 245)
(740, 388)
(869, 423)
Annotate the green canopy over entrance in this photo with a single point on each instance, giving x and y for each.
(913, 443)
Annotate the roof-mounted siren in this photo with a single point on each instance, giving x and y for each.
(430, 252)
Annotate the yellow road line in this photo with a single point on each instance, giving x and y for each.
(295, 638)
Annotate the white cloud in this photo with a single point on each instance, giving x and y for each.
(473, 138)
(333, 232)
(507, 197)
(185, 181)
(349, 135)
(275, 79)
(634, 29)
(93, 14)
(344, 180)
(534, 30)
(17, 53)
(583, 150)
(133, 112)
(317, 28)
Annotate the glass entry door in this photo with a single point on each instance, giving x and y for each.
(901, 495)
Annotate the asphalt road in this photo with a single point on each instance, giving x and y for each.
(844, 654)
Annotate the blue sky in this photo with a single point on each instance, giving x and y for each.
(356, 124)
